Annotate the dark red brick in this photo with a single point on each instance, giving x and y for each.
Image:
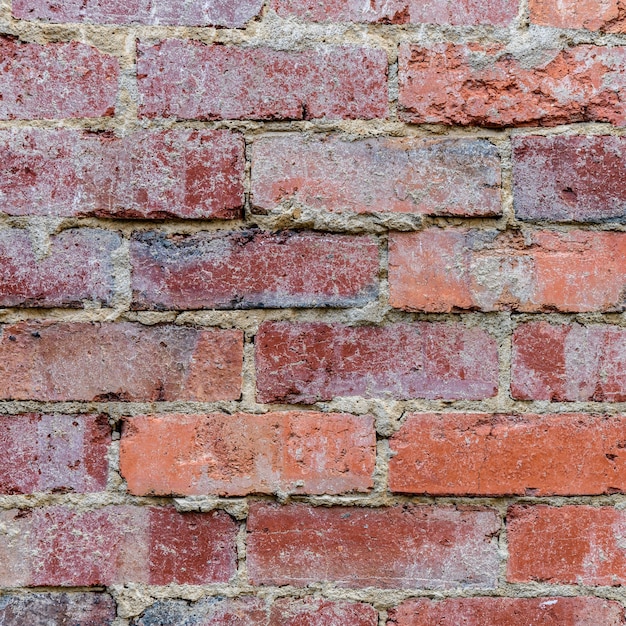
(311, 362)
(263, 84)
(320, 612)
(146, 174)
(399, 547)
(252, 269)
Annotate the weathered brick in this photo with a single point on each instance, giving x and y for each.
(56, 546)
(56, 80)
(52, 609)
(398, 547)
(569, 363)
(546, 611)
(118, 362)
(487, 270)
(146, 174)
(571, 544)
(488, 86)
(234, 455)
(244, 611)
(160, 12)
(605, 15)
(263, 84)
(539, 455)
(311, 362)
(53, 453)
(465, 13)
(570, 179)
(78, 267)
(422, 176)
(252, 269)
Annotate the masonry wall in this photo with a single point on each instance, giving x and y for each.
(312, 312)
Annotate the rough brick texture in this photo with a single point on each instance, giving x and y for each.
(55, 546)
(488, 86)
(570, 179)
(50, 609)
(53, 453)
(466, 13)
(153, 12)
(500, 455)
(605, 15)
(547, 611)
(123, 362)
(309, 362)
(239, 454)
(77, 267)
(426, 177)
(427, 547)
(151, 174)
(252, 269)
(571, 544)
(569, 362)
(336, 82)
(56, 80)
(486, 270)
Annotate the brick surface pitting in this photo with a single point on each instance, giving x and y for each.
(252, 269)
(604, 15)
(295, 452)
(335, 82)
(309, 362)
(422, 546)
(429, 177)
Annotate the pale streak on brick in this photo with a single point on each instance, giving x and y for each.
(464, 13)
(56, 80)
(603, 15)
(228, 13)
(421, 176)
(43, 453)
(146, 174)
(406, 547)
(192, 80)
(253, 269)
(118, 361)
(486, 86)
(497, 455)
(77, 268)
(235, 455)
(443, 270)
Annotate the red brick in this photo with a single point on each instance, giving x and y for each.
(400, 547)
(55, 546)
(118, 362)
(235, 455)
(53, 453)
(539, 455)
(465, 13)
(163, 12)
(311, 362)
(569, 363)
(252, 269)
(488, 86)
(47, 609)
(320, 612)
(605, 15)
(332, 81)
(508, 612)
(422, 176)
(487, 270)
(572, 544)
(146, 174)
(78, 268)
(56, 80)
(570, 179)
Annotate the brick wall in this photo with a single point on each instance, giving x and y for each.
(312, 312)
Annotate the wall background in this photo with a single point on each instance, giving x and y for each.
(312, 312)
